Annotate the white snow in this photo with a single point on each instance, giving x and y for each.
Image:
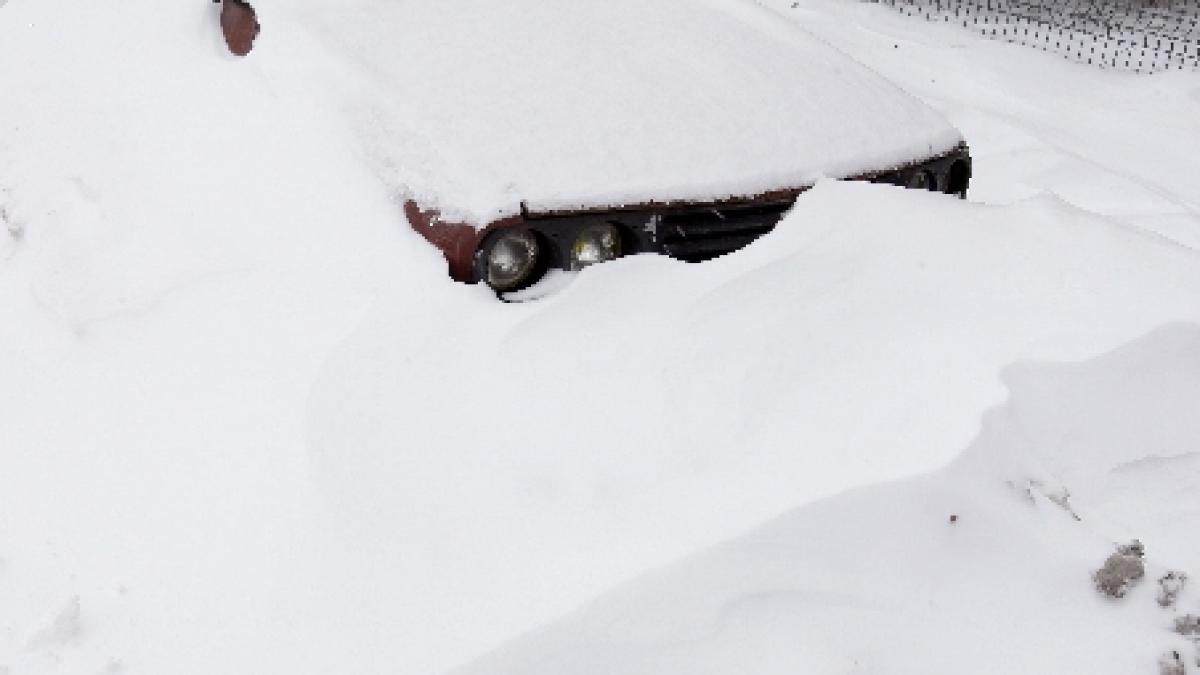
(248, 425)
(881, 580)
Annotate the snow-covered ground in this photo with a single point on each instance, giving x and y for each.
(979, 567)
(247, 425)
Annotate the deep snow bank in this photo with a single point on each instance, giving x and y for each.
(323, 474)
(652, 406)
(882, 580)
(247, 424)
(1123, 433)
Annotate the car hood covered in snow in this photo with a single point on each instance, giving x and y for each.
(559, 105)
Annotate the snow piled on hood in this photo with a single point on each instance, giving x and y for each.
(614, 102)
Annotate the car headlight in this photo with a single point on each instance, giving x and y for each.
(512, 259)
(595, 243)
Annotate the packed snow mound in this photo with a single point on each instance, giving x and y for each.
(601, 429)
(351, 453)
(1130, 449)
(932, 575)
(140, 160)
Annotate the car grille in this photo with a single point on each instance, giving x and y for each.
(701, 235)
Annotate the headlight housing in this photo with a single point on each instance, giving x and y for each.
(594, 244)
(922, 180)
(958, 178)
(512, 260)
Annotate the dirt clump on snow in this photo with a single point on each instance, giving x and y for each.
(1170, 586)
(1188, 625)
(1172, 663)
(1121, 570)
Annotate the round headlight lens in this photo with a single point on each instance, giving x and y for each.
(595, 243)
(512, 259)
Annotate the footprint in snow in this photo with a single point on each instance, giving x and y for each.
(64, 629)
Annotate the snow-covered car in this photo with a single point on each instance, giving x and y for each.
(566, 134)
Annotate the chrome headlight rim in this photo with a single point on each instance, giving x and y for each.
(511, 259)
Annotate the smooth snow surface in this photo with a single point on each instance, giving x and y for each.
(942, 595)
(248, 425)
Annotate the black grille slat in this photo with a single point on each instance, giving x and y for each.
(704, 228)
(705, 234)
(706, 249)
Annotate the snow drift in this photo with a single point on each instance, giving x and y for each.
(937, 574)
(248, 425)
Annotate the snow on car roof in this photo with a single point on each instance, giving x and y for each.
(475, 106)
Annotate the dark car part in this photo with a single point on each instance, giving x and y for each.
(239, 23)
(514, 253)
(511, 258)
(950, 173)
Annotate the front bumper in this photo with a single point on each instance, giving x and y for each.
(697, 232)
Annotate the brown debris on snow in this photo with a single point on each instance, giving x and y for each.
(1121, 570)
(240, 25)
(1171, 663)
(1170, 586)
(1188, 625)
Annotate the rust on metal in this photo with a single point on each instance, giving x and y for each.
(457, 241)
(239, 23)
